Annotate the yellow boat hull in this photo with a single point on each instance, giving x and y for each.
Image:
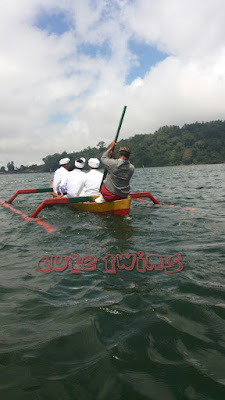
(119, 207)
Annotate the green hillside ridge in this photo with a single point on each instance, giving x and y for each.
(196, 143)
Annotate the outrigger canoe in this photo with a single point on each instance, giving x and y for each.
(87, 204)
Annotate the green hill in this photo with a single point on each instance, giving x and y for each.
(196, 143)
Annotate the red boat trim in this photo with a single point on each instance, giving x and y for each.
(121, 212)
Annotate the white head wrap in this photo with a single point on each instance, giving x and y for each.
(80, 163)
(64, 161)
(93, 163)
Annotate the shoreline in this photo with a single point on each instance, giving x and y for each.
(20, 172)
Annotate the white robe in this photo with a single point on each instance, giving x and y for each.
(73, 183)
(92, 183)
(60, 175)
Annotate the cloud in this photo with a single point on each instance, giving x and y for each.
(64, 69)
(186, 28)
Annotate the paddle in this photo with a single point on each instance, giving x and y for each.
(116, 137)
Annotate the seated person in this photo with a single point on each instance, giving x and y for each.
(60, 174)
(116, 185)
(93, 179)
(74, 181)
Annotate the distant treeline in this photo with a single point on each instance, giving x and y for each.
(196, 143)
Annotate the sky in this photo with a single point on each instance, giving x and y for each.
(68, 67)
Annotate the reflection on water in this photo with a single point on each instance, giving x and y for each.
(117, 227)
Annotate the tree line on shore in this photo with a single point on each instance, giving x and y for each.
(196, 143)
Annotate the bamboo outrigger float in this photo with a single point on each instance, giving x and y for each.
(86, 204)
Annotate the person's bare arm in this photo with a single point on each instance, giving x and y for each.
(111, 147)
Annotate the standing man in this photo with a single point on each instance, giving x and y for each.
(93, 179)
(60, 174)
(74, 181)
(116, 185)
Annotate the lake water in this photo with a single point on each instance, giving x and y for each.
(129, 335)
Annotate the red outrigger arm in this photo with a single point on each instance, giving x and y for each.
(28, 191)
(61, 200)
(143, 194)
